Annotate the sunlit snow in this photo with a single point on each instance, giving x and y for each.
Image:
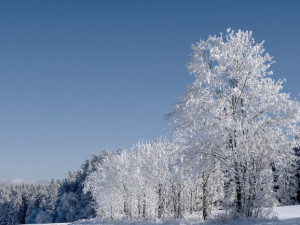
(287, 215)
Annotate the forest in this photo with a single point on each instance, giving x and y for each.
(234, 147)
(66, 201)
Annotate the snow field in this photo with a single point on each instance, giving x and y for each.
(287, 215)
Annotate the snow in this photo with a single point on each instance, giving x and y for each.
(52, 224)
(287, 215)
(288, 212)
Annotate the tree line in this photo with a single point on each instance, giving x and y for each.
(149, 182)
(63, 200)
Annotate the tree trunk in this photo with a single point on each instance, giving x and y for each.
(191, 202)
(144, 206)
(139, 206)
(179, 207)
(239, 206)
(239, 202)
(174, 200)
(205, 203)
(160, 202)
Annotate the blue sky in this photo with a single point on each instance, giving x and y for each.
(77, 77)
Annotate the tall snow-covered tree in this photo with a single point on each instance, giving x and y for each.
(235, 112)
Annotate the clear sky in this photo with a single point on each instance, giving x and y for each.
(77, 77)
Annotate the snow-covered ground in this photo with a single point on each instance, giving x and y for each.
(287, 215)
(288, 212)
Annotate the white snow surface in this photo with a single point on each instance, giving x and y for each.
(286, 215)
(288, 212)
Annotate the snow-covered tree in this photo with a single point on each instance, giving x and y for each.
(206, 179)
(108, 185)
(237, 114)
(40, 203)
(152, 162)
(134, 184)
(5, 208)
(72, 203)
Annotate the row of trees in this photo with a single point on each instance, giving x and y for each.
(234, 139)
(22, 204)
(153, 181)
(159, 179)
(60, 201)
